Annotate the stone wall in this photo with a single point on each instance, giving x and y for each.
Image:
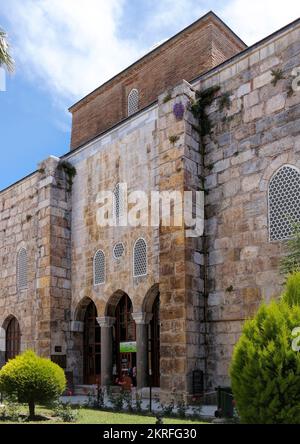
(181, 257)
(208, 285)
(125, 155)
(18, 228)
(258, 134)
(35, 216)
(198, 48)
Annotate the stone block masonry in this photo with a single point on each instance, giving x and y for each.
(258, 134)
(36, 217)
(180, 262)
(197, 292)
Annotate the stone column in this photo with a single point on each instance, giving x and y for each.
(142, 320)
(2, 347)
(106, 323)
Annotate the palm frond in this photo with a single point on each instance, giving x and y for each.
(5, 57)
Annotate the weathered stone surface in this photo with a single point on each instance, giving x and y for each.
(208, 286)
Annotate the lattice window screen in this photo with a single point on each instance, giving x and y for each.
(133, 102)
(140, 258)
(118, 204)
(22, 269)
(118, 250)
(99, 268)
(284, 202)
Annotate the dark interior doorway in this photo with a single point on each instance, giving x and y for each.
(91, 346)
(154, 344)
(13, 339)
(124, 332)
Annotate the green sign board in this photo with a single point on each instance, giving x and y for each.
(127, 347)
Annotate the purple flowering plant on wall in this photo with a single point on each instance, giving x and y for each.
(178, 110)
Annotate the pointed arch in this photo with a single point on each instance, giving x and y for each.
(12, 330)
(133, 102)
(99, 267)
(140, 258)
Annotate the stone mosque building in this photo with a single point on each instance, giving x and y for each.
(99, 300)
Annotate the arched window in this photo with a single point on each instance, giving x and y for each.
(22, 269)
(12, 339)
(140, 258)
(133, 102)
(99, 268)
(284, 202)
(118, 204)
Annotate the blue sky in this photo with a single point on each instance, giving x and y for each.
(65, 48)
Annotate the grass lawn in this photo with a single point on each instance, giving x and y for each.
(89, 416)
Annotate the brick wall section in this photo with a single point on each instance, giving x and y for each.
(256, 136)
(194, 51)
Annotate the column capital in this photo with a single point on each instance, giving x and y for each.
(106, 321)
(142, 318)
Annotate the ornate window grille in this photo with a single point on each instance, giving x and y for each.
(284, 202)
(119, 250)
(140, 258)
(118, 204)
(99, 268)
(133, 102)
(22, 269)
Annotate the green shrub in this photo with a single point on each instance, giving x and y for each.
(265, 371)
(292, 294)
(10, 411)
(32, 379)
(65, 412)
(291, 262)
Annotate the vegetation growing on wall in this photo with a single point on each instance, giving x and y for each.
(199, 109)
(70, 172)
(173, 139)
(277, 75)
(224, 102)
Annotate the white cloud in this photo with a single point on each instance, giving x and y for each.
(253, 20)
(70, 47)
(176, 14)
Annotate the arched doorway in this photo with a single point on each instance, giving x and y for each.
(154, 344)
(124, 337)
(91, 346)
(12, 339)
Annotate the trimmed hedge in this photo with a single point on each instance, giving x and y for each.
(32, 379)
